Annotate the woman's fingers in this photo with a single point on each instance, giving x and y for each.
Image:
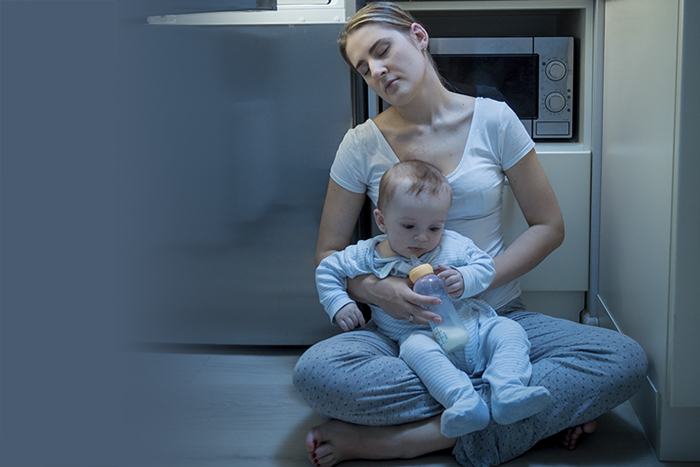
(399, 301)
(417, 307)
(426, 317)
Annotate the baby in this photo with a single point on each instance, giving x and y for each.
(414, 199)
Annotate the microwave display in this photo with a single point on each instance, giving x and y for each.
(509, 78)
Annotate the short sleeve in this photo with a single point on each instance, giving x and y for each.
(514, 142)
(362, 158)
(347, 166)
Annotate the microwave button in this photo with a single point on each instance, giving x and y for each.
(552, 129)
(555, 70)
(555, 102)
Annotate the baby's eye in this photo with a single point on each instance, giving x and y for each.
(408, 226)
(385, 50)
(435, 229)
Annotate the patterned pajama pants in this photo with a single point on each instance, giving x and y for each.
(357, 377)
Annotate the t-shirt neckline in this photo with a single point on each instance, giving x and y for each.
(388, 148)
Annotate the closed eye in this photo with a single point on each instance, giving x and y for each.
(408, 226)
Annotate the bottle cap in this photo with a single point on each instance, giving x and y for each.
(420, 271)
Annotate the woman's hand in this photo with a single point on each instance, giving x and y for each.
(394, 296)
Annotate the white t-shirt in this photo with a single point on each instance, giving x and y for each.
(497, 141)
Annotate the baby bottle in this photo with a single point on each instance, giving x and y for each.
(451, 333)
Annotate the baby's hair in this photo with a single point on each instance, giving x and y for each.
(420, 176)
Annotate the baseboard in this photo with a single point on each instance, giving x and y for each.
(672, 431)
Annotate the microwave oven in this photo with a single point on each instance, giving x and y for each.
(533, 75)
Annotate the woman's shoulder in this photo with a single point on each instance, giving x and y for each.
(364, 140)
(362, 132)
(490, 109)
(502, 131)
(361, 159)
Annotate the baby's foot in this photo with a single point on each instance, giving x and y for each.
(518, 403)
(465, 416)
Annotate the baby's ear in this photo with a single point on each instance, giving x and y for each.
(379, 219)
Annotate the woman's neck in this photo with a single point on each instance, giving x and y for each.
(430, 106)
(429, 110)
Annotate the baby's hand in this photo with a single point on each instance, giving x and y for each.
(349, 317)
(453, 280)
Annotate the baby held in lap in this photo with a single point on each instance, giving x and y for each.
(414, 200)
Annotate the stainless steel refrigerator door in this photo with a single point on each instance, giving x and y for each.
(226, 136)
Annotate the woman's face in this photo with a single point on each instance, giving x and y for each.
(391, 62)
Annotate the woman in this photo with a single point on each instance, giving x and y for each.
(375, 406)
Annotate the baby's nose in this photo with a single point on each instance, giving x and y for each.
(421, 237)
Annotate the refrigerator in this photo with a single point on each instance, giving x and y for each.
(226, 134)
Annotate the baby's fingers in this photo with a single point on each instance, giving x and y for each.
(351, 321)
(360, 320)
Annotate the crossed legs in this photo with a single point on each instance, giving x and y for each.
(356, 377)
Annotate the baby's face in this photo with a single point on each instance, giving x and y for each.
(414, 224)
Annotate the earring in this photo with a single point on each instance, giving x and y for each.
(424, 48)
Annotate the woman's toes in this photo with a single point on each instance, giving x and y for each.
(311, 443)
(572, 435)
(589, 427)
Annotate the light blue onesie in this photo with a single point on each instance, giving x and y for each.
(497, 351)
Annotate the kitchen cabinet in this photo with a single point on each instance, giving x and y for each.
(650, 208)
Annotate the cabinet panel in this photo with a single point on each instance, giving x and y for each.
(566, 269)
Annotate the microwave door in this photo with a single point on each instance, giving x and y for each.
(302, 12)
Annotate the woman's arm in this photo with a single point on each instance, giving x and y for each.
(340, 213)
(545, 231)
(394, 295)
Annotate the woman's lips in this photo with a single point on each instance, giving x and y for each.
(390, 83)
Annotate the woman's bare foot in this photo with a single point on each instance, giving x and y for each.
(336, 441)
(571, 435)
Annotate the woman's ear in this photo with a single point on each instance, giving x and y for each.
(379, 219)
(421, 35)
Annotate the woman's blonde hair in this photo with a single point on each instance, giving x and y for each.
(386, 14)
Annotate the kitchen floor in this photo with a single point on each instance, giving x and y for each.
(210, 406)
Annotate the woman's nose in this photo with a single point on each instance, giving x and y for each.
(378, 70)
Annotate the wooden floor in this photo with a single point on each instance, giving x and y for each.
(236, 407)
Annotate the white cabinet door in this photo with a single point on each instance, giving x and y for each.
(566, 269)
